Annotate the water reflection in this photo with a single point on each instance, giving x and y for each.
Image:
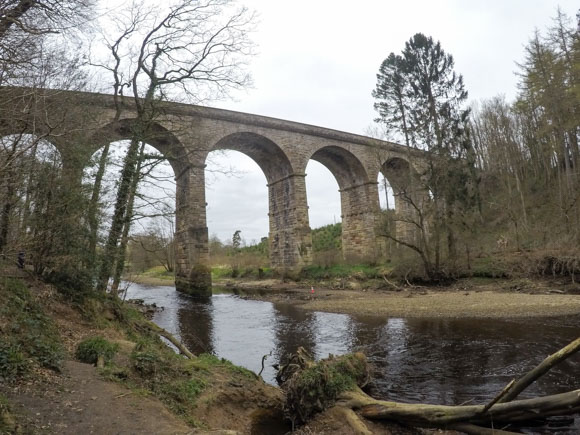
(293, 328)
(416, 360)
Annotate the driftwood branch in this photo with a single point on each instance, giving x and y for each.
(473, 429)
(516, 388)
(500, 395)
(392, 284)
(304, 397)
(174, 341)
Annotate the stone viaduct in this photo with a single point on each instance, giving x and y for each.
(79, 123)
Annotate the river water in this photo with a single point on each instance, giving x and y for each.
(444, 361)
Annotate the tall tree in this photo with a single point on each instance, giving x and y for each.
(391, 95)
(420, 95)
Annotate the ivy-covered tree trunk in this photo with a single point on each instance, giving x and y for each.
(111, 252)
(121, 255)
(93, 210)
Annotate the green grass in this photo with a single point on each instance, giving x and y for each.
(206, 361)
(223, 272)
(159, 272)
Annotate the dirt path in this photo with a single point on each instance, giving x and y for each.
(79, 402)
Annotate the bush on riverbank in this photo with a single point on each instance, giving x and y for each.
(251, 273)
(90, 350)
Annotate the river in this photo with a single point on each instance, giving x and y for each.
(444, 361)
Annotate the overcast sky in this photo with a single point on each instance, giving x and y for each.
(317, 62)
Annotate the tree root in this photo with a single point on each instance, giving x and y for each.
(468, 418)
(355, 422)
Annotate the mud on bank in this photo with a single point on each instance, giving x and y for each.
(500, 298)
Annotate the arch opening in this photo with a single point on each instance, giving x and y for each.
(289, 243)
(358, 203)
(131, 215)
(402, 224)
(386, 193)
(237, 202)
(324, 214)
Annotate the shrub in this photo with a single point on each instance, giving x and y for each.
(89, 350)
(13, 362)
(146, 363)
(184, 391)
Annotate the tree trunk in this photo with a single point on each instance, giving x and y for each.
(111, 248)
(120, 265)
(93, 211)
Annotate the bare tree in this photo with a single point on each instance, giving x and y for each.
(188, 50)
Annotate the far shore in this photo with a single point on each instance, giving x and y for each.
(502, 298)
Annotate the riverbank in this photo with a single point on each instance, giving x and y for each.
(470, 298)
(143, 388)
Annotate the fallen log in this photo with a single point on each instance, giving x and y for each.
(444, 415)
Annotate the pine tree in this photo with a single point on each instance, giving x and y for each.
(420, 96)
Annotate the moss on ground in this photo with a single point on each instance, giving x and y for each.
(29, 337)
(154, 368)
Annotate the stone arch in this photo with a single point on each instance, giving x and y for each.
(398, 172)
(359, 202)
(188, 277)
(289, 237)
(158, 137)
(268, 155)
(345, 166)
